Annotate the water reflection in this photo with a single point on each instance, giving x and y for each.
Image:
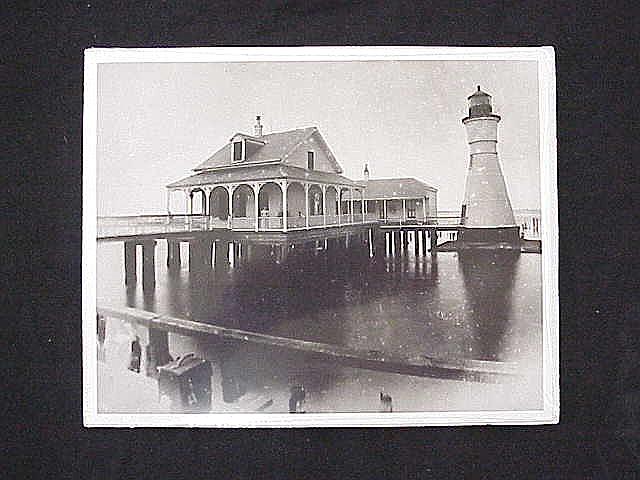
(444, 305)
(488, 279)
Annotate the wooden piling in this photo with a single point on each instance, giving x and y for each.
(148, 264)
(222, 254)
(130, 257)
(173, 254)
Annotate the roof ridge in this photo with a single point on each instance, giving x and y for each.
(288, 131)
(394, 178)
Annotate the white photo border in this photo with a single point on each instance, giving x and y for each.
(545, 58)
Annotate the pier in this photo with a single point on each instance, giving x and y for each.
(218, 244)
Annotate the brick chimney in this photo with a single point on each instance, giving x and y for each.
(257, 128)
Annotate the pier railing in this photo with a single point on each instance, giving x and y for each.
(125, 226)
(152, 224)
(453, 221)
(436, 221)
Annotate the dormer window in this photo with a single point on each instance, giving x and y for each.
(237, 151)
(310, 160)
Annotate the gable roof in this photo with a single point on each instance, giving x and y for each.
(395, 188)
(277, 146)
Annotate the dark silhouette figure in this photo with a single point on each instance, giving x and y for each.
(386, 402)
(136, 353)
(101, 328)
(296, 400)
(101, 335)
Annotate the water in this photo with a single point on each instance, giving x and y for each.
(446, 305)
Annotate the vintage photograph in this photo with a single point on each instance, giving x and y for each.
(320, 237)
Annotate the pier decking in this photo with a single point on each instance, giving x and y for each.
(161, 226)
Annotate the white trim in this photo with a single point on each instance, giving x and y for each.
(544, 56)
(93, 56)
(199, 171)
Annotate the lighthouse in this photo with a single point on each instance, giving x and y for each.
(487, 216)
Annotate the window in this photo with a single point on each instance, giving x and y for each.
(310, 160)
(237, 151)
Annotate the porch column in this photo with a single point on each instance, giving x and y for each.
(186, 193)
(324, 204)
(339, 206)
(404, 210)
(230, 189)
(256, 191)
(351, 204)
(221, 260)
(362, 205)
(203, 195)
(190, 202)
(384, 208)
(424, 208)
(284, 187)
(168, 202)
(306, 204)
(209, 193)
(206, 194)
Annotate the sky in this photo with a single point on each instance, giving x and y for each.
(157, 121)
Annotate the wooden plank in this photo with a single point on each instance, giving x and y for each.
(423, 366)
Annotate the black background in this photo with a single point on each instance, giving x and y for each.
(42, 80)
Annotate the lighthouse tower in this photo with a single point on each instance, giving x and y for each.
(486, 210)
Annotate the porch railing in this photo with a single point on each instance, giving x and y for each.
(243, 223)
(332, 219)
(316, 220)
(270, 223)
(296, 222)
